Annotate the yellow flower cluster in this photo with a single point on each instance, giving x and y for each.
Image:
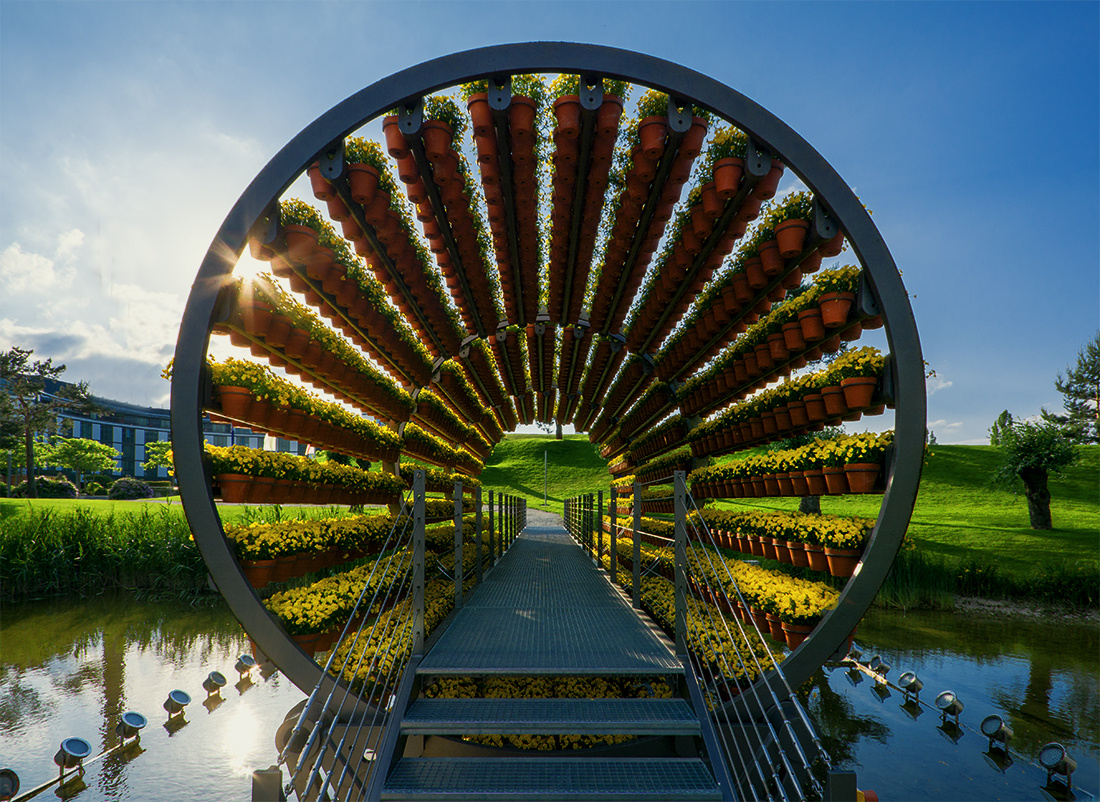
(266, 541)
(281, 465)
(865, 447)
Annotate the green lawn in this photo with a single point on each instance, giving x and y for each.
(958, 515)
(230, 513)
(573, 467)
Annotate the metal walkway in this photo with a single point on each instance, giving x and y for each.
(546, 610)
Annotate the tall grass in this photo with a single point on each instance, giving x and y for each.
(45, 552)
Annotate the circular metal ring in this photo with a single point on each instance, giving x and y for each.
(552, 57)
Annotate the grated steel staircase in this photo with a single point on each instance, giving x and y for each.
(545, 610)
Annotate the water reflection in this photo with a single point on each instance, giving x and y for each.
(1040, 678)
(74, 667)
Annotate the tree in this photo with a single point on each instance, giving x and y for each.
(1004, 420)
(157, 455)
(28, 405)
(80, 454)
(1080, 389)
(1033, 451)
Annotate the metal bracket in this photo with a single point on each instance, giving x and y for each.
(679, 115)
(866, 301)
(825, 226)
(591, 92)
(758, 159)
(647, 363)
(331, 160)
(618, 342)
(889, 379)
(500, 92)
(581, 326)
(411, 117)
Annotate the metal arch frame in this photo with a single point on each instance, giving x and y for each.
(189, 384)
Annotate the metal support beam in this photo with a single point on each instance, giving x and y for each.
(680, 534)
(636, 596)
(458, 544)
(418, 578)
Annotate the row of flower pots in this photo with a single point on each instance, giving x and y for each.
(461, 216)
(260, 415)
(270, 333)
(567, 110)
(244, 489)
(785, 632)
(658, 440)
(838, 562)
(261, 573)
(522, 135)
(860, 477)
(540, 354)
(349, 296)
(639, 184)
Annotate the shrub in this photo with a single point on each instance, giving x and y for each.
(47, 488)
(94, 489)
(127, 488)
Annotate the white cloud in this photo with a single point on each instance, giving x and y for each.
(24, 271)
(935, 384)
(942, 424)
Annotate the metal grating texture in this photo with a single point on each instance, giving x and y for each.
(546, 610)
(551, 778)
(551, 716)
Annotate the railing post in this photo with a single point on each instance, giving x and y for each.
(418, 563)
(681, 564)
(597, 529)
(458, 543)
(492, 540)
(613, 533)
(637, 510)
(477, 524)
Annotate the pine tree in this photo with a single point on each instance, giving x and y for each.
(1080, 388)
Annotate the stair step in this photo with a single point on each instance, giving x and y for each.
(550, 717)
(521, 778)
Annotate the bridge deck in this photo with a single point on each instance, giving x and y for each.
(546, 610)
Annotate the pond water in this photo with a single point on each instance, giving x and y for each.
(72, 668)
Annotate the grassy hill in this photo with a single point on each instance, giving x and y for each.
(573, 467)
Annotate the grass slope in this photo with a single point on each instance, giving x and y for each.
(573, 467)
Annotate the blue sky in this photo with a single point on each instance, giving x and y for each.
(971, 130)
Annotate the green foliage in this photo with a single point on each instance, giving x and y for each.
(58, 487)
(1080, 389)
(1004, 420)
(1037, 446)
(81, 455)
(158, 454)
(441, 107)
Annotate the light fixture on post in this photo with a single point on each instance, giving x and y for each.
(176, 701)
(71, 755)
(245, 664)
(910, 684)
(994, 728)
(214, 683)
(1054, 759)
(949, 705)
(854, 675)
(9, 784)
(879, 666)
(130, 726)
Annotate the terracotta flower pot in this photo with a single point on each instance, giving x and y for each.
(791, 236)
(567, 110)
(815, 482)
(322, 189)
(858, 391)
(835, 307)
(834, 400)
(235, 401)
(765, 188)
(794, 634)
(437, 139)
(792, 336)
(727, 176)
(842, 562)
(258, 572)
(813, 329)
(862, 476)
(480, 114)
(835, 480)
(651, 134)
(799, 558)
(815, 556)
(770, 258)
(754, 273)
(363, 181)
(775, 626)
(521, 118)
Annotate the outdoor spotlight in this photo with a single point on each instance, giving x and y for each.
(879, 666)
(9, 784)
(910, 684)
(214, 682)
(72, 753)
(854, 675)
(994, 728)
(881, 690)
(130, 725)
(245, 664)
(911, 708)
(176, 701)
(1054, 759)
(998, 759)
(949, 705)
(855, 654)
